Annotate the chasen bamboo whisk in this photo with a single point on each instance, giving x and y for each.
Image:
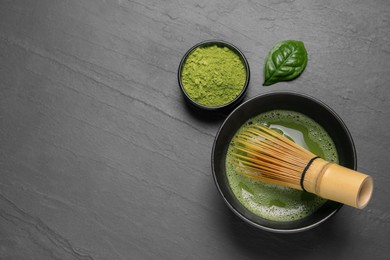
(265, 155)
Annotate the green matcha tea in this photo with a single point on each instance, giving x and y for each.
(274, 202)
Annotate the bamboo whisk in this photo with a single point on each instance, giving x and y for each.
(265, 155)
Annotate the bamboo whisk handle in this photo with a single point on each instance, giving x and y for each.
(334, 182)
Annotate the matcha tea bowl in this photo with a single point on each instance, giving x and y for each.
(214, 75)
(301, 118)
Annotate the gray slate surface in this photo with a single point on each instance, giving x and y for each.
(100, 158)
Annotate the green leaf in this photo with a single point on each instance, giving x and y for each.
(286, 61)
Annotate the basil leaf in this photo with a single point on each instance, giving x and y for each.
(286, 61)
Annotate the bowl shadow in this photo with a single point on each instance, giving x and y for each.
(254, 242)
(208, 116)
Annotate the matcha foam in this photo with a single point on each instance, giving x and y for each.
(274, 202)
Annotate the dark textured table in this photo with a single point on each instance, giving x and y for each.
(100, 157)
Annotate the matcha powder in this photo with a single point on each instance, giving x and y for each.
(213, 76)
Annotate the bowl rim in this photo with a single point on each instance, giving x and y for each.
(236, 211)
(242, 57)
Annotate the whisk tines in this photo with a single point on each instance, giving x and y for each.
(263, 154)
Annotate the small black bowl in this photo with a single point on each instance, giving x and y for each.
(304, 104)
(234, 102)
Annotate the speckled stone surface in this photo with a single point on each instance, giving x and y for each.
(100, 158)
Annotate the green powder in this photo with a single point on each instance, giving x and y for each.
(213, 76)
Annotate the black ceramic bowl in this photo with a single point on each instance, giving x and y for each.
(232, 103)
(304, 104)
